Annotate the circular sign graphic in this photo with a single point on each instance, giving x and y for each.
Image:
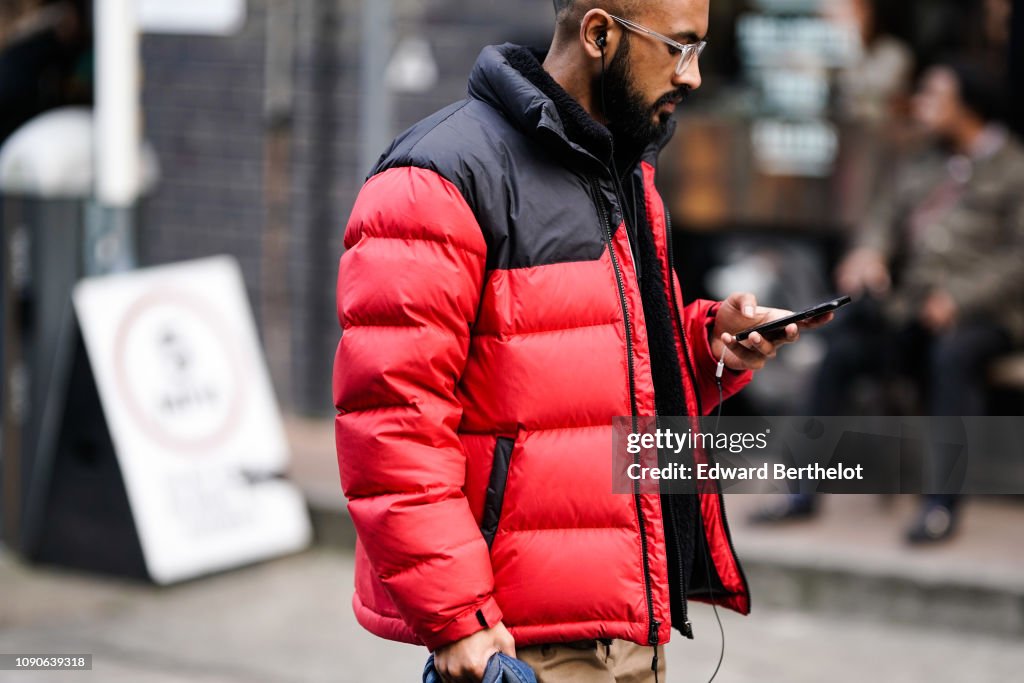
(178, 371)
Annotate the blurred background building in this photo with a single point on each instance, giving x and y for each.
(263, 136)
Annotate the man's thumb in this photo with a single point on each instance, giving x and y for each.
(506, 643)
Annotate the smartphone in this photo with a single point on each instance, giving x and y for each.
(776, 328)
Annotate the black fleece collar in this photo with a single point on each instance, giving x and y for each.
(512, 79)
(579, 126)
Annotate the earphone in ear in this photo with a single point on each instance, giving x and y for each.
(602, 40)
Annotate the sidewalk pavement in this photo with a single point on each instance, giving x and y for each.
(290, 620)
(850, 559)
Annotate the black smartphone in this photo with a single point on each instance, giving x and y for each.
(775, 328)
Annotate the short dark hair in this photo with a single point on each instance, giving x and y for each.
(566, 10)
(981, 91)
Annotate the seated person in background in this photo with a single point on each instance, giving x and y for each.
(940, 262)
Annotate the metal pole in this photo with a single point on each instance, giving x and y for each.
(376, 115)
(275, 309)
(110, 238)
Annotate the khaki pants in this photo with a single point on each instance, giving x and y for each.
(593, 661)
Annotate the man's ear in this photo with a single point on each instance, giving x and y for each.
(598, 34)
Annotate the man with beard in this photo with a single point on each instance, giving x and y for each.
(507, 290)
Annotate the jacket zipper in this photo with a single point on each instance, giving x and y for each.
(652, 633)
(696, 393)
(687, 627)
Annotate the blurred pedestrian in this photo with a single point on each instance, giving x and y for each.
(877, 84)
(507, 291)
(871, 97)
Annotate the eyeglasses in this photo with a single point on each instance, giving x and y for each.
(687, 53)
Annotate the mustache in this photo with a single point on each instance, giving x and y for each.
(675, 97)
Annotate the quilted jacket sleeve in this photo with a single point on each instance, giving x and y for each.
(408, 289)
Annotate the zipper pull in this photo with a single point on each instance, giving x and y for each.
(688, 629)
(654, 664)
(652, 634)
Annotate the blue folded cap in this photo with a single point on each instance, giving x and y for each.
(500, 669)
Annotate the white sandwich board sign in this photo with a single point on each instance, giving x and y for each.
(192, 416)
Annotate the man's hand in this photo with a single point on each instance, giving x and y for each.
(864, 270)
(740, 312)
(464, 661)
(939, 311)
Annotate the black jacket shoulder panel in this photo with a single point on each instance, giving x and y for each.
(532, 207)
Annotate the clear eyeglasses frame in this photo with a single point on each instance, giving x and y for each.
(688, 53)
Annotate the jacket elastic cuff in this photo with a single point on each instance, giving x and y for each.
(476, 618)
(732, 380)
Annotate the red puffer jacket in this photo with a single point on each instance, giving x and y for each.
(493, 327)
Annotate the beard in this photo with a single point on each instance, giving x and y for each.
(630, 119)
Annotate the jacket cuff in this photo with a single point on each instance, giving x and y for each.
(476, 618)
(732, 380)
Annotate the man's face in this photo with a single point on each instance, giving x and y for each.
(641, 87)
(937, 102)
